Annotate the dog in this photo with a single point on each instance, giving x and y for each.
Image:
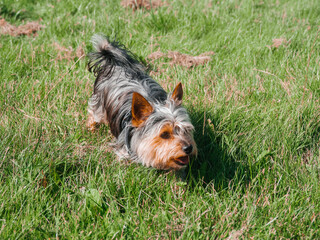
(150, 126)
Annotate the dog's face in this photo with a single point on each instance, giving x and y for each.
(164, 134)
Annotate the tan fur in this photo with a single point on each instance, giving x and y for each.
(163, 153)
(141, 109)
(177, 94)
(150, 126)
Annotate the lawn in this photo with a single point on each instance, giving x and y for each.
(255, 107)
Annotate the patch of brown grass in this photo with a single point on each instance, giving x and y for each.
(189, 61)
(156, 55)
(277, 42)
(182, 59)
(68, 53)
(232, 89)
(30, 28)
(286, 86)
(142, 4)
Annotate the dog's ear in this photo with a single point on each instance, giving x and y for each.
(177, 94)
(140, 110)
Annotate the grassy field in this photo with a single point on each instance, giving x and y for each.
(255, 107)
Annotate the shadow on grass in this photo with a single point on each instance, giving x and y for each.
(214, 163)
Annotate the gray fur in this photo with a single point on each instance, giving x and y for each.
(118, 76)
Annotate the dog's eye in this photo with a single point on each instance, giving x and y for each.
(165, 135)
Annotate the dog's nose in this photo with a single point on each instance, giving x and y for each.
(187, 149)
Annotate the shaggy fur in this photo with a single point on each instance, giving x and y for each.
(150, 126)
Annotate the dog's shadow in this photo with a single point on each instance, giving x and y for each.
(214, 164)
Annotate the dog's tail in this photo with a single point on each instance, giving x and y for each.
(108, 55)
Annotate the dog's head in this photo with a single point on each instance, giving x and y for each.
(163, 135)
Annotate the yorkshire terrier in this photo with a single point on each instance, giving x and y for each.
(150, 126)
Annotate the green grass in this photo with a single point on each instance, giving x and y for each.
(256, 111)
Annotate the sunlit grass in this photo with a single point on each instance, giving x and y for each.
(255, 107)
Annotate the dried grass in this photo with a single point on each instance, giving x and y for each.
(142, 4)
(182, 59)
(30, 28)
(286, 86)
(68, 53)
(277, 42)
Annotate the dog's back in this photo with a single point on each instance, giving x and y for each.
(111, 58)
